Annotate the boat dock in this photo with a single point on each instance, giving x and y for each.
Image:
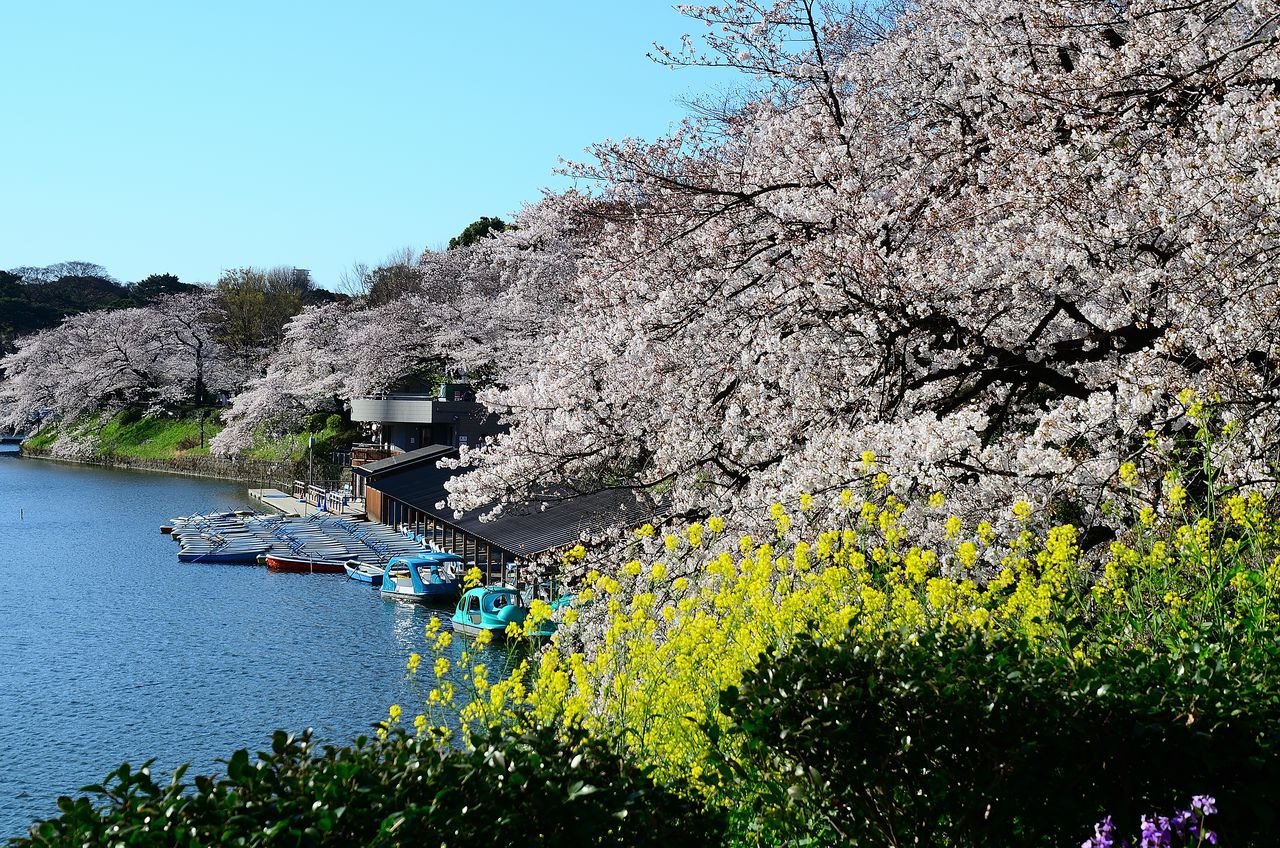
(243, 537)
(308, 500)
(282, 503)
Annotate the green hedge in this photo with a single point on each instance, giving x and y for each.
(526, 788)
(944, 740)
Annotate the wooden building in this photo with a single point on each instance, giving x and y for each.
(408, 421)
(407, 490)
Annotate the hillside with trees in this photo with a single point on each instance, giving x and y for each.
(946, 353)
(34, 299)
(87, 349)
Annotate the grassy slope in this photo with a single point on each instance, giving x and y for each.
(166, 438)
(45, 438)
(292, 447)
(156, 438)
(145, 438)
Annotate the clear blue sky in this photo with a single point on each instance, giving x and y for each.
(188, 138)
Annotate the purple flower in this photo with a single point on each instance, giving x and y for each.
(1103, 835)
(1185, 823)
(1206, 804)
(1156, 833)
(1185, 828)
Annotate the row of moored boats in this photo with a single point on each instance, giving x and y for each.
(399, 566)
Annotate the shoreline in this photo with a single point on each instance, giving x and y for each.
(203, 467)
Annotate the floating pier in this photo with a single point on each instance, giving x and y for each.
(313, 500)
(243, 537)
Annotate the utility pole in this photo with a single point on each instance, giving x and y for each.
(311, 444)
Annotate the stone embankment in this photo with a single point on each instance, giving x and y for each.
(276, 473)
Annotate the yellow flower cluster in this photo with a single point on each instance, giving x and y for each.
(662, 638)
(1220, 570)
(670, 645)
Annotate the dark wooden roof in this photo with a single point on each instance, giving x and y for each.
(555, 520)
(430, 453)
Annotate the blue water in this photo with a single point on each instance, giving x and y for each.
(112, 651)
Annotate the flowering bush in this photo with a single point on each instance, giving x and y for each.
(1170, 628)
(1183, 828)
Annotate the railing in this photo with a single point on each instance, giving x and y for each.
(329, 496)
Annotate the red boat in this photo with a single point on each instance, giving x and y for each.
(303, 565)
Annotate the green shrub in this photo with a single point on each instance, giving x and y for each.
(964, 741)
(520, 787)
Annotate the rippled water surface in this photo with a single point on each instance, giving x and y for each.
(112, 651)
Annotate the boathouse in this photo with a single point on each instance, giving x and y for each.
(411, 420)
(406, 490)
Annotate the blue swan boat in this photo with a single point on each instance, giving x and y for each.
(430, 576)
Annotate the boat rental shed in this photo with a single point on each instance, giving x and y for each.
(406, 490)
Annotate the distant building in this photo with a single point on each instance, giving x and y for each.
(406, 421)
(407, 491)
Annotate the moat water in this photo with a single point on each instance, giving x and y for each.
(112, 651)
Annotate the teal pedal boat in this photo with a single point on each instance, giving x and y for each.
(488, 608)
(547, 628)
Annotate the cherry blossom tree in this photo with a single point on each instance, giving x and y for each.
(328, 353)
(991, 242)
(479, 310)
(154, 357)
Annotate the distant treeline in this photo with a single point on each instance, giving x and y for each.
(34, 299)
(75, 342)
